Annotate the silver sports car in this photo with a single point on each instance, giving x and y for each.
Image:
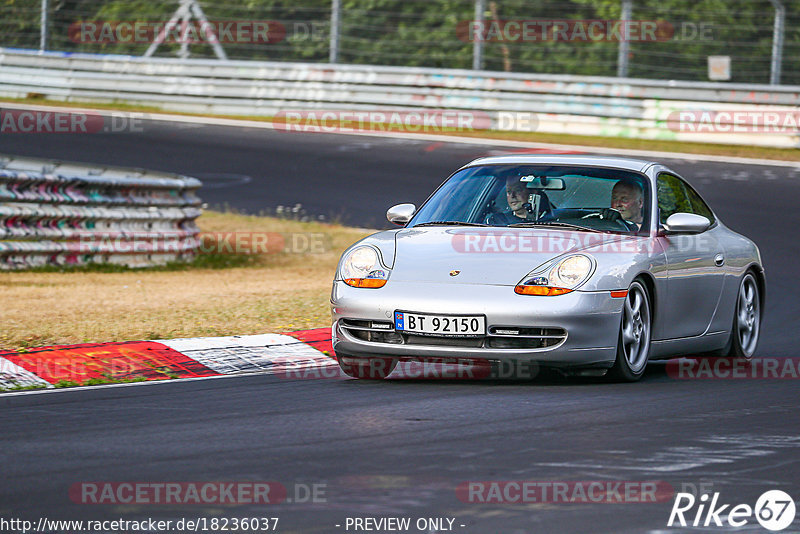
(593, 265)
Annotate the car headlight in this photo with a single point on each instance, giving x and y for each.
(362, 268)
(561, 278)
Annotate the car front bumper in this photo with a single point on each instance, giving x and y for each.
(590, 321)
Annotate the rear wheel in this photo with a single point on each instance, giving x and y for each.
(633, 344)
(746, 328)
(367, 368)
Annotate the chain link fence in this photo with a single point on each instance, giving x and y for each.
(661, 39)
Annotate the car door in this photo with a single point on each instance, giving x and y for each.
(695, 273)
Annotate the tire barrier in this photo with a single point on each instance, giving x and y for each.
(749, 114)
(64, 214)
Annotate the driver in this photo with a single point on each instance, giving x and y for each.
(627, 198)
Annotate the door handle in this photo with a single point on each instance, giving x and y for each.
(719, 260)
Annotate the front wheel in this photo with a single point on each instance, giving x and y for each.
(633, 344)
(367, 368)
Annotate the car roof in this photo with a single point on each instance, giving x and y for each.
(629, 164)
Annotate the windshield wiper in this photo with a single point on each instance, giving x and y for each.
(449, 223)
(557, 224)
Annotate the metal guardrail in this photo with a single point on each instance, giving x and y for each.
(616, 107)
(67, 214)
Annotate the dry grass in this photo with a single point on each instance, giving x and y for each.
(274, 292)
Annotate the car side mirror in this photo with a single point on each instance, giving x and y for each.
(686, 223)
(401, 213)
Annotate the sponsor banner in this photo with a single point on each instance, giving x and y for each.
(102, 361)
(414, 121)
(564, 492)
(721, 368)
(554, 30)
(183, 32)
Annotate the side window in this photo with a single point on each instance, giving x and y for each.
(672, 197)
(698, 206)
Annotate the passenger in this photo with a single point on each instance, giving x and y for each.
(523, 204)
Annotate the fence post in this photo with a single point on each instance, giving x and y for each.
(624, 42)
(43, 27)
(777, 43)
(336, 17)
(477, 37)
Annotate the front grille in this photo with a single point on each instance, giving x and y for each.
(437, 341)
(510, 337)
(499, 337)
(372, 331)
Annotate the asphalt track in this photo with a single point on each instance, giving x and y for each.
(400, 448)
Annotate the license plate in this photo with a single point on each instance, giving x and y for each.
(440, 325)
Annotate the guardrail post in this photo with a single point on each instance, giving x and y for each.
(186, 9)
(624, 42)
(477, 36)
(777, 43)
(43, 27)
(336, 17)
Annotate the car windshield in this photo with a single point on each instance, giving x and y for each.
(590, 198)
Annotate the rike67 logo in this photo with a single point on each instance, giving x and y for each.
(774, 510)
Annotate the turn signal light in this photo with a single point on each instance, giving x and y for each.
(543, 291)
(365, 282)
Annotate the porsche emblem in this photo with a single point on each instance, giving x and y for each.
(454, 273)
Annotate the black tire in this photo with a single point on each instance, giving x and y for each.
(747, 315)
(376, 368)
(633, 342)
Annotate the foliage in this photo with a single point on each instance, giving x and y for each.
(425, 33)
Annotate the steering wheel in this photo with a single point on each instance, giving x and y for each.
(612, 215)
